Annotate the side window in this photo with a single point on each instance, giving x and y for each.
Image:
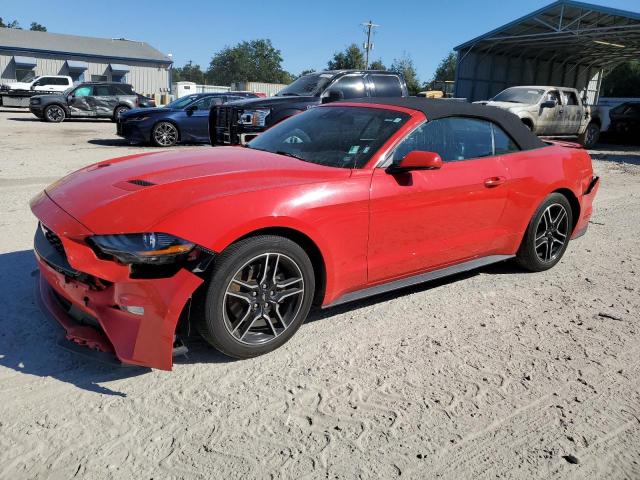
(502, 142)
(569, 98)
(456, 139)
(386, 86)
(352, 86)
(203, 103)
(554, 95)
(102, 91)
(83, 91)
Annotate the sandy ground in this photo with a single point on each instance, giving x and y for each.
(491, 374)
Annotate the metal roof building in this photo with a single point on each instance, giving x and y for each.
(566, 43)
(24, 53)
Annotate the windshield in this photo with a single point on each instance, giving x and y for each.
(530, 96)
(182, 102)
(307, 86)
(345, 137)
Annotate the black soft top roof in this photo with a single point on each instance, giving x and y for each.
(442, 108)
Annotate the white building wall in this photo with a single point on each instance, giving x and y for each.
(146, 78)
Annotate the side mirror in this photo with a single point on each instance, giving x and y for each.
(191, 109)
(416, 160)
(549, 104)
(333, 96)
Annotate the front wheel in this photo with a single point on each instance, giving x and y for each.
(259, 295)
(164, 134)
(590, 136)
(54, 114)
(547, 235)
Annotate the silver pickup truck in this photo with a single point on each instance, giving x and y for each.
(550, 111)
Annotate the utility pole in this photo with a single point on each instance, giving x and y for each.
(368, 46)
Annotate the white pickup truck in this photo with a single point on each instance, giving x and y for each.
(551, 111)
(45, 83)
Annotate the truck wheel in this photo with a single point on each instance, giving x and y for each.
(54, 114)
(590, 136)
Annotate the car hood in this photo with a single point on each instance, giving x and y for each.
(273, 101)
(141, 111)
(131, 194)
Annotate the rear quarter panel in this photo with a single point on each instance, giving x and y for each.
(534, 174)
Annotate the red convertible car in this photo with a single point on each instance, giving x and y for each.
(343, 201)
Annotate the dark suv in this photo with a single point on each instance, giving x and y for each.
(90, 99)
(240, 122)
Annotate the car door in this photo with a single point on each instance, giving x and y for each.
(194, 120)
(551, 118)
(103, 101)
(424, 220)
(572, 113)
(44, 84)
(79, 101)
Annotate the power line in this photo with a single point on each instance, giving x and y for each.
(368, 46)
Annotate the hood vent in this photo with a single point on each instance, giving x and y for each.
(141, 183)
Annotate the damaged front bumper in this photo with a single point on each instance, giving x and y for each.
(93, 302)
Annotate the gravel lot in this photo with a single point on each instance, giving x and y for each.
(495, 373)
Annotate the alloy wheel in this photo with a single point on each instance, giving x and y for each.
(552, 233)
(55, 113)
(165, 134)
(592, 132)
(263, 298)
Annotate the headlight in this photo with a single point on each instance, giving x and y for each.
(255, 118)
(137, 119)
(143, 248)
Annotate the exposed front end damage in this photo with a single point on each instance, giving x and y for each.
(98, 304)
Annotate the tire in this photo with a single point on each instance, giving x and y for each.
(165, 134)
(54, 114)
(528, 124)
(549, 226)
(236, 305)
(590, 136)
(118, 111)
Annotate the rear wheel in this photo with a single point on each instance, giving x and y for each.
(590, 136)
(259, 294)
(54, 114)
(547, 235)
(165, 134)
(118, 111)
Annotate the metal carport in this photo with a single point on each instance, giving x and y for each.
(566, 43)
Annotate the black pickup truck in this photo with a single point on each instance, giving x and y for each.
(240, 122)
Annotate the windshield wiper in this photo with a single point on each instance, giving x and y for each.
(287, 154)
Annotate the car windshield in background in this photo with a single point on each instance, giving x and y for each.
(182, 102)
(307, 86)
(520, 95)
(343, 137)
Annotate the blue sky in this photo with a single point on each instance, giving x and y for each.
(307, 33)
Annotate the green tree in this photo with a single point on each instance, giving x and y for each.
(404, 66)
(189, 73)
(351, 58)
(446, 69)
(622, 81)
(36, 27)
(11, 24)
(252, 61)
(377, 65)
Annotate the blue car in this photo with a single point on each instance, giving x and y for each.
(184, 120)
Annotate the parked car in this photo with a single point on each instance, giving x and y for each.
(46, 83)
(625, 119)
(183, 120)
(89, 99)
(340, 202)
(551, 111)
(243, 121)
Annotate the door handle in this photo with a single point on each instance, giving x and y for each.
(494, 181)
